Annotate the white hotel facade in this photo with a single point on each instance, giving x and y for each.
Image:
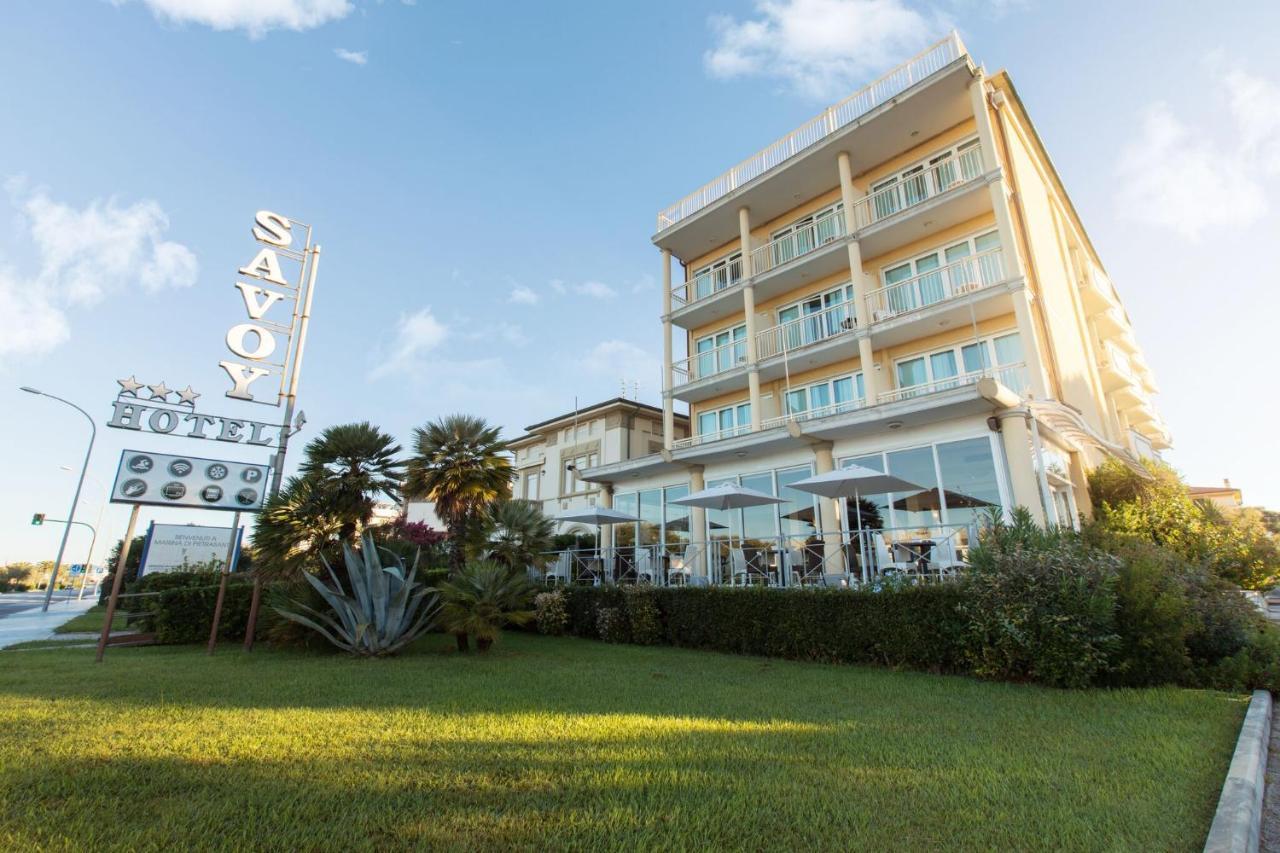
(901, 283)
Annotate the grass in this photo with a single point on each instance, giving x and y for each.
(568, 743)
(91, 620)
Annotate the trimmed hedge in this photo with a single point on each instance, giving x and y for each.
(181, 610)
(919, 627)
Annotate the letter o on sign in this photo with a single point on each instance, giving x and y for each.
(163, 420)
(265, 346)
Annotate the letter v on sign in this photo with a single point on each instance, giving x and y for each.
(257, 300)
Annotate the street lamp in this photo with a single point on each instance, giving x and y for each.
(88, 563)
(66, 531)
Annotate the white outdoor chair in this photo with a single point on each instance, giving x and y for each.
(794, 570)
(885, 560)
(738, 567)
(644, 566)
(561, 572)
(943, 556)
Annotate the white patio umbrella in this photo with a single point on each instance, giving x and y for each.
(854, 482)
(597, 515)
(727, 496)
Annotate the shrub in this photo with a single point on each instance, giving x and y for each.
(484, 597)
(611, 625)
(551, 615)
(178, 606)
(642, 614)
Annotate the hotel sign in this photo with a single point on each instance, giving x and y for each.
(157, 414)
(162, 479)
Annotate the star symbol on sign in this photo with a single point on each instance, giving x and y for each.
(130, 385)
(188, 396)
(160, 392)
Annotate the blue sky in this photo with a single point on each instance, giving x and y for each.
(484, 179)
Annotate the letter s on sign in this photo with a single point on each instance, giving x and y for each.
(272, 228)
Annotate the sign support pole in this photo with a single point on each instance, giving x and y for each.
(290, 400)
(222, 584)
(116, 581)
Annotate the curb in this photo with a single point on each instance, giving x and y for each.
(1237, 824)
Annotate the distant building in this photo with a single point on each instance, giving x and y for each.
(1225, 496)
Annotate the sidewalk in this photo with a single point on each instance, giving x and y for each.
(27, 625)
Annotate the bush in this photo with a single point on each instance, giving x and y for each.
(611, 625)
(181, 608)
(642, 616)
(550, 613)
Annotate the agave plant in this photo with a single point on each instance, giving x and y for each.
(385, 611)
(482, 598)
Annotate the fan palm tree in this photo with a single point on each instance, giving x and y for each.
(461, 465)
(354, 463)
(519, 533)
(295, 526)
(482, 598)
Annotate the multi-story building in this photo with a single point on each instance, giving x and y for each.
(901, 282)
(550, 457)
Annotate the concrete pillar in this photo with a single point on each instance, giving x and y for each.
(1080, 485)
(1030, 343)
(1022, 472)
(862, 284)
(698, 521)
(668, 378)
(606, 500)
(829, 515)
(749, 308)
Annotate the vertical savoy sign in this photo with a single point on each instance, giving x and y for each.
(263, 345)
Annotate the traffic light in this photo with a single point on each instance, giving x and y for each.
(37, 519)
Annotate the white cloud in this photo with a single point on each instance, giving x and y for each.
(557, 286)
(595, 289)
(84, 255)
(615, 360)
(255, 17)
(416, 335)
(823, 49)
(355, 57)
(1210, 173)
(521, 295)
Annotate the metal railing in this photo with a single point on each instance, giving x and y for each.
(707, 283)
(920, 291)
(1012, 376)
(920, 186)
(818, 128)
(805, 331)
(1120, 362)
(710, 362)
(707, 437)
(840, 558)
(798, 242)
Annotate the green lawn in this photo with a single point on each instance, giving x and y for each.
(569, 743)
(91, 620)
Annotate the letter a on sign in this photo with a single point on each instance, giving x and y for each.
(265, 265)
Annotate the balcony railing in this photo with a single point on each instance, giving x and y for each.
(818, 128)
(1012, 376)
(708, 437)
(805, 331)
(710, 282)
(955, 279)
(1119, 362)
(918, 187)
(798, 243)
(710, 362)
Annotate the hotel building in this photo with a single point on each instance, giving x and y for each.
(902, 283)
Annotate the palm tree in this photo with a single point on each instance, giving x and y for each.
(295, 526)
(462, 466)
(354, 463)
(519, 533)
(482, 598)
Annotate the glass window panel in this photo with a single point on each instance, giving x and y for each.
(987, 242)
(725, 524)
(875, 508)
(956, 252)
(968, 478)
(920, 509)
(650, 516)
(726, 419)
(744, 415)
(676, 530)
(797, 401)
(759, 523)
(862, 391)
(819, 396)
(975, 357)
(943, 364)
(844, 390)
(912, 372)
(797, 518)
(1008, 349)
(706, 423)
(929, 286)
(624, 535)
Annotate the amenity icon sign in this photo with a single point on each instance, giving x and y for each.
(160, 479)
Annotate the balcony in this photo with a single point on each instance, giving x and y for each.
(1012, 376)
(718, 435)
(707, 284)
(710, 372)
(830, 123)
(798, 243)
(967, 275)
(807, 331)
(1115, 368)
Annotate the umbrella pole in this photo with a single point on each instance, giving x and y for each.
(862, 548)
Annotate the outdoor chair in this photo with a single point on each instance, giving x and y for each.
(644, 567)
(944, 558)
(885, 560)
(738, 567)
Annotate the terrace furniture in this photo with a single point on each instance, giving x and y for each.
(944, 558)
(885, 561)
(644, 567)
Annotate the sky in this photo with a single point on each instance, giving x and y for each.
(484, 179)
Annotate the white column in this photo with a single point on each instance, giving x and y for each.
(606, 501)
(749, 307)
(857, 276)
(1022, 473)
(668, 404)
(698, 522)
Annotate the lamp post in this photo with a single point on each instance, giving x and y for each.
(88, 563)
(66, 531)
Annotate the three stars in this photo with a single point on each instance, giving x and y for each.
(159, 391)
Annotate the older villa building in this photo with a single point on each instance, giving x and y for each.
(902, 283)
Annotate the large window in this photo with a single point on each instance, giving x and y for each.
(573, 482)
(719, 352)
(728, 421)
(939, 274)
(919, 181)
(806, 234)
(717, 276)
(828, 397)
(533, 485)
(951, 366)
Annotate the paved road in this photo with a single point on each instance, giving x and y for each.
(16, 602)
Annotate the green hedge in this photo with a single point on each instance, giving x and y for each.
(181, 608)
(914, 627)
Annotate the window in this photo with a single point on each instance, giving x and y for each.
(805, 235)
(717, 276)
(533, 486)
(942, 273)
(829, 397)
(573, 482)
(728, 421)
(938, 173)
(720, 352)
(963, 361)
(817, 317)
